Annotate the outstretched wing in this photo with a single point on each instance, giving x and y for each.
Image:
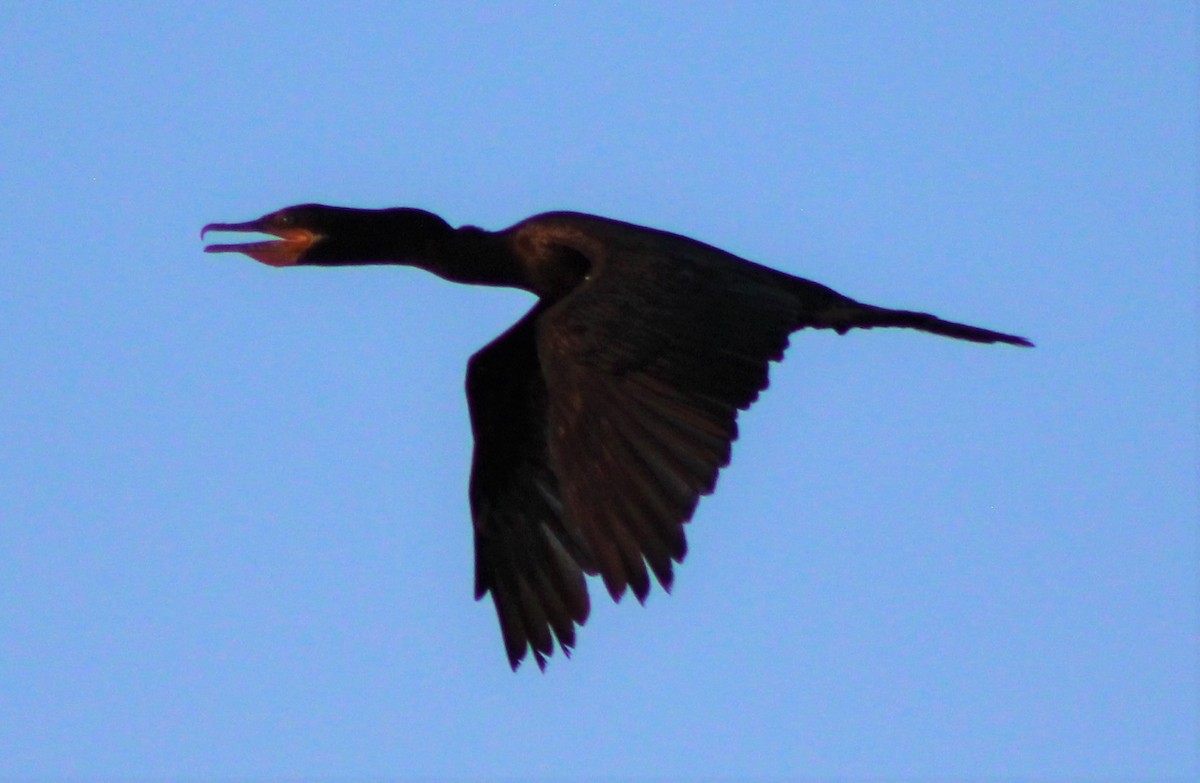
(526, 554)
(600, 420)
(647, 364)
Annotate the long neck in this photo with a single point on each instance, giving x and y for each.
(473, 256)
(417, 238)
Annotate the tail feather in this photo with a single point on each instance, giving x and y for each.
(861, 316)
(821, 307)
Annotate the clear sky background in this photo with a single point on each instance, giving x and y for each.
(235, 539)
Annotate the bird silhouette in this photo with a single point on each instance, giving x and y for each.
(603, 415)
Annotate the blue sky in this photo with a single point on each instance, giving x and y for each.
(235, 537)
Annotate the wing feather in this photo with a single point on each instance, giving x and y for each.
(602, 417)
(528, 554)
(647, 365)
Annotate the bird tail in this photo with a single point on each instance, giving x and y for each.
(854, 315)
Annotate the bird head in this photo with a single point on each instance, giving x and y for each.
(317, 234)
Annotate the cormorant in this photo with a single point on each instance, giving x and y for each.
(603, 415)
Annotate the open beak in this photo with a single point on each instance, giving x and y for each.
(291, 246)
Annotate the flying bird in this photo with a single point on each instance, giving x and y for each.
(603, 415)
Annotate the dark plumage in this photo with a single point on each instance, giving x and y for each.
(605, 413)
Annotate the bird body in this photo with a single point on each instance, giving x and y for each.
(603, 415)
